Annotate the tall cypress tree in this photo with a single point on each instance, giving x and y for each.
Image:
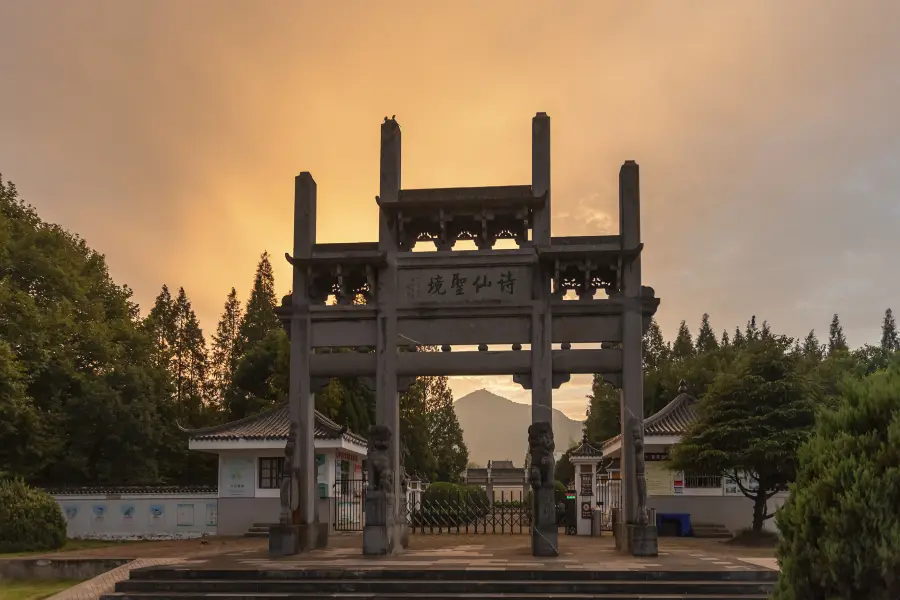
(225, 356)
(812, 348)
(706, 337)
(836, 340)
(656, 350)
(445, 436)
(725, 340)
(738, 340)
(683, 347)
(189, 364)
(890, 340)
(259, 317)
(752, 331)
(160, 325)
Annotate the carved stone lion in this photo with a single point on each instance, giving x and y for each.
(382, 478)
(541, 447)
(637, 436)
(287, 473)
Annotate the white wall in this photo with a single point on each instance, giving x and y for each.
(733, 512)
(132, 515)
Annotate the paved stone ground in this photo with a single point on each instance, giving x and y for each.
(106, 583)
(447, 551)
(493, 552)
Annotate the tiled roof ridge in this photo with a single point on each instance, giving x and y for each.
(212, 429)
(683, 398)
(278, 412)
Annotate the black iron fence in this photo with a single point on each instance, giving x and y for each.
(469, 512)
(348, 504)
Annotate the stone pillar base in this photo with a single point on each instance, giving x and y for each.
(637, 540)
(287, 540)
(544, 532)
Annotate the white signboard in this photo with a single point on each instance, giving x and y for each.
(466, 284)
(236, 477)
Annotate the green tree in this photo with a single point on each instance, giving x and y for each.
(603, 412)
(190, 368)
(656, 351)
(812, 348)
(259, 317)
(415, 445)
(726, 341)
(74, 356)
(160, 325)
(706, 337)
(840, 527)
(225, 356)
(750, 422)
(683, 346)
(445, 436)
(836, 340)
(738, 340)
(751, 332)
(890, 340)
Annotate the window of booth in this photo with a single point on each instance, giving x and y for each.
(270, 473)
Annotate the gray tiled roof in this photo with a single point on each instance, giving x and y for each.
(586, 449)
(672, 420)
(272, 424)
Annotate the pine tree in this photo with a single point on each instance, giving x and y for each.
(738, 340)
(683, 347)
(160, 324)
(836, 340)
(811, 348)
(189, 366)
(752, 331)
(445, 436)
(726, 342)
(259, 317)
(656, 352)
(890, 340)
(706, 337)
(225, 356)
(603, 411)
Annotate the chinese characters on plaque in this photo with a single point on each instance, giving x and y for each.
(466, 284)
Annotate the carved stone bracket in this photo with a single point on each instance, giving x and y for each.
(524, 379)
(584, 277)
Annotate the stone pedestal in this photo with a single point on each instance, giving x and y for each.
(637, 540)
(379, 533)
(544, 532)
(287, 540)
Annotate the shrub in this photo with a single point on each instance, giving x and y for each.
(840, 527)
(30, 519)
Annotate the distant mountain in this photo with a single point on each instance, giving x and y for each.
(495, 428)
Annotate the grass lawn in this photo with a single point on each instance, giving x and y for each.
(70, 546)
(33, 589)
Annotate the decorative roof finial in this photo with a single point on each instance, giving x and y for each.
(682, 387)
(584, 438)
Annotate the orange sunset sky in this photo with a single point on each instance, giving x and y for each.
(168, 132)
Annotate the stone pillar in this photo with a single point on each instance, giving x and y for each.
(544, 533)
(306, 532)
(638, 537)
(385, 531)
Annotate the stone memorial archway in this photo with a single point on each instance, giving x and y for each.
(390, 300)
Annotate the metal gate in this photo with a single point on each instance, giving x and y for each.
(348, 504)
(470, 511)
(609, 497)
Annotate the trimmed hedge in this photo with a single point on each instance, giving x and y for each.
(30, 519)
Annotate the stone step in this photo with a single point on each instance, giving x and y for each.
(382, 587)
(169, 573)
(423, 596)
(266, 525)
(257, 534)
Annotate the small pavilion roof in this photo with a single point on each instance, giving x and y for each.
(586, 450)
(671, 420)
(273, 424)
